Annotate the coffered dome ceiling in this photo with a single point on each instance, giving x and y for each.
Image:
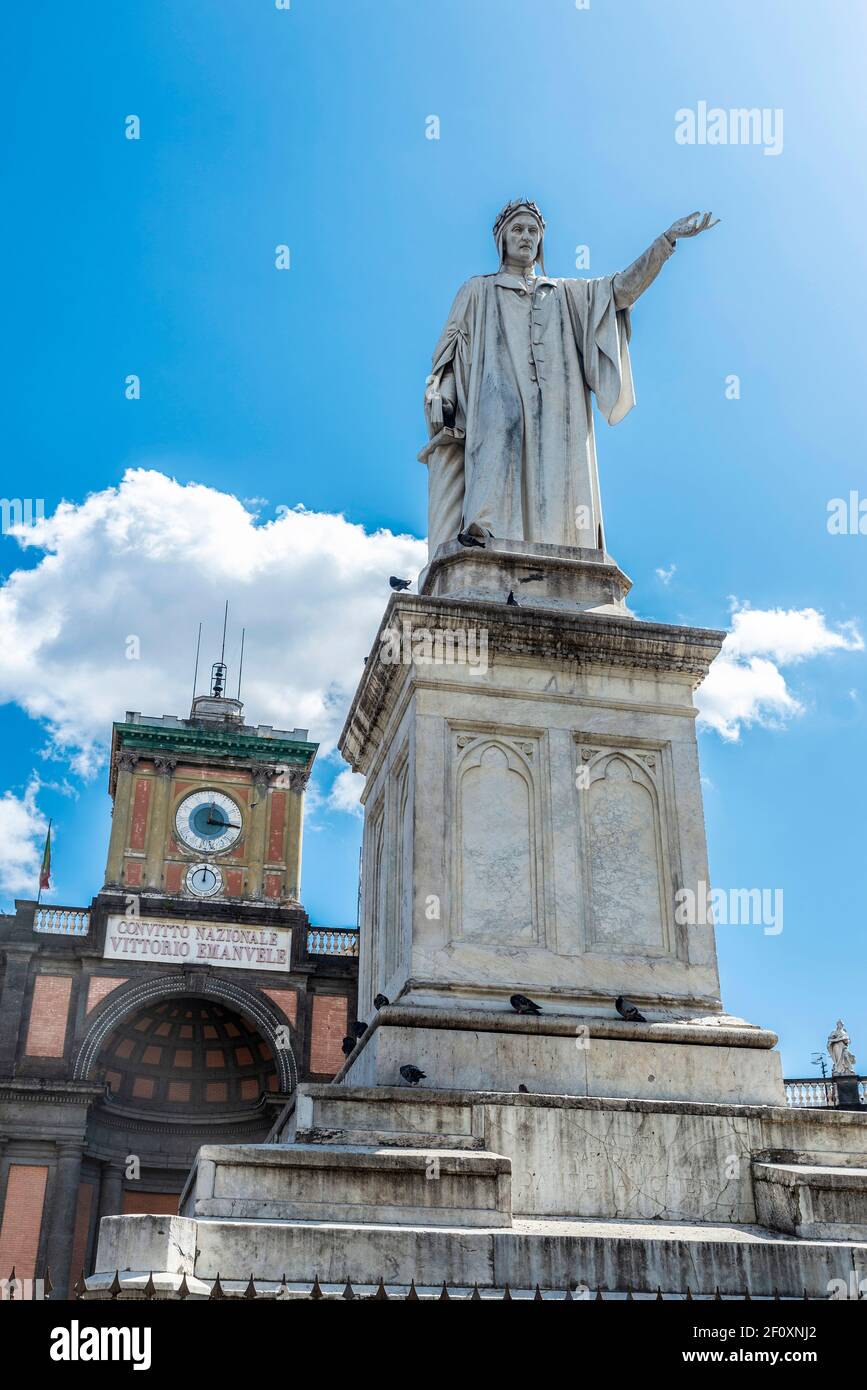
(190, 1054)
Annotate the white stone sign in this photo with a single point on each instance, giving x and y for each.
(170, 940)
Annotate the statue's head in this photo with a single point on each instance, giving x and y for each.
(519, 232)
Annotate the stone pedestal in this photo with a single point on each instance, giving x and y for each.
(532, 811)
(533, 806)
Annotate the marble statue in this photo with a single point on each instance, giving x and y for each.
(511, 452)
(842, 1060)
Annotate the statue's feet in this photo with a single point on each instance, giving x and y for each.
(467, 538)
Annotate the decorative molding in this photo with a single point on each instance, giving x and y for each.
(262, 774)
(537, 635)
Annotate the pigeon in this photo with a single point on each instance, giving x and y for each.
(399, 584)
(359, 1028)
(523, 1089)
(411, 1075)
(512, 601)
(348, 1046)
(379, 1001)
(467, 538)
(628, 1011)
(522, 1005)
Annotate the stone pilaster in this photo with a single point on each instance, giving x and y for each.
(262, 777)
(64, 1202)
(298, 778)
(153, 873)
(125, 762)
(110, 1191)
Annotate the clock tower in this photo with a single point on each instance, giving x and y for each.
(207, 809)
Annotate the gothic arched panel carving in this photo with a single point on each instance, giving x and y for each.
(625, 858)
(496, 843)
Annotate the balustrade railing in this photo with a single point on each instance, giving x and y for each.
(62, 921)
(332, 941)
(816, 1092)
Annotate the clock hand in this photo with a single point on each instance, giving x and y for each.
(229, 824)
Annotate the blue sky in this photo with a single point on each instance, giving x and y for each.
(306, 126)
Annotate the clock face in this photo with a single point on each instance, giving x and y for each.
(208, 821)
(204, 880)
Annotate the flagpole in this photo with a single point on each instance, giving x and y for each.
(42, 865)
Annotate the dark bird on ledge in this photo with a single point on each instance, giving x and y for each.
(379, 1001)
(523, 1089)
(628, 1011)
(511, 601)
(411, 1075)
(399, 584)
(467, 538)
(348, 1046)
(359, 1028)
(522, 1005)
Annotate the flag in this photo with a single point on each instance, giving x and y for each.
(45, 871)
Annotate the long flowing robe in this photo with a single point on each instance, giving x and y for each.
(519, 360)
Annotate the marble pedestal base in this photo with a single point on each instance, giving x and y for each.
(718, 1059)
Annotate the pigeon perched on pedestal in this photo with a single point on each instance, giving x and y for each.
(348, 1046)
(379, 1001)
(628, 1011)
(522, 1005)
(411, 1075)
(511, 601)
(467, 538)
(399, 584)
(359, 1028)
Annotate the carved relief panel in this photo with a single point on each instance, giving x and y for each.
(628, 844)
(497, 839)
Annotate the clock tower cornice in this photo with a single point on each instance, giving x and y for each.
(230, 748)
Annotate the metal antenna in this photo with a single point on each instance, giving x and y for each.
(241, 662)
(225, 620)
(196, 671)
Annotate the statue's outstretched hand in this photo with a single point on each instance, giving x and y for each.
(692, 225)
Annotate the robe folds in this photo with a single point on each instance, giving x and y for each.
(519, 360)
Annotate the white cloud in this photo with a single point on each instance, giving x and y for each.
(22, 840)
(787, 635)
(745, 685)
(151, 557)
(666, 576)
(345, 792)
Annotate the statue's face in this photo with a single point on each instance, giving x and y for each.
(522, 237)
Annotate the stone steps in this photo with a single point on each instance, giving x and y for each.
(641, 1255)
(812, 1201)
(335, 1183)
